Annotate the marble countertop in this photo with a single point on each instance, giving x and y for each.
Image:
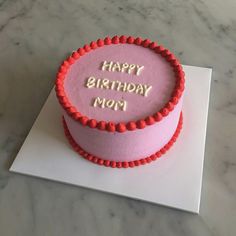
(35, 35)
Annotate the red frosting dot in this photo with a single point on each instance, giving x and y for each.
(66, 63)
(102, 125)
(152, 45)
(121, 127)
(159, 49)
(182, 80)
(100, 162)
(164, 112)
(158, 154)
(93, 45)
(76, 115)
(111, 127)
(100, 42)
(167, 146)
(113, 164)
(131, 125)
(75, 55)
(170, 106)
(118, 164)
(123, 39)
(83, 120)
(130, 39)
(174, 100)
(87, 48)
(72, 110)
(115, 40)
(92, 123)
(89, 157)
(106, 162)
(138, 41)
(107, 40)
(165, 53)
(170, 58)
(60, 75)
(141, 124)
(137, 162)
(163, 150)
(174, 63)
(158, 116)
(81, 51)
(63, 69)
(95, 159)
(177, 93)
(131, 164)
(146, 43)
(71, 60)
(143, 161)
(153, 157)
(125, 164)
(150, 120)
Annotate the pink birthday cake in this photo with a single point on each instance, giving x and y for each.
(122, 100)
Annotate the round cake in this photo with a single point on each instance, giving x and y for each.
(122, 100)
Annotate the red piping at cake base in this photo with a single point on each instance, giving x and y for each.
(123, 164)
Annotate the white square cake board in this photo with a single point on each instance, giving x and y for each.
(174, 180)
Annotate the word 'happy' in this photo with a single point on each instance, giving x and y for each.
(122, 67)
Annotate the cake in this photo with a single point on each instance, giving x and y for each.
(122, 100)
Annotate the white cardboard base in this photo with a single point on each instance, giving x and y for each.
(174, 180)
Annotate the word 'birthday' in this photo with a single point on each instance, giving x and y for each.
(128, 87)
(122, 67)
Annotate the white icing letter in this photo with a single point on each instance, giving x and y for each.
(124, 67)
(112, 84)
(110, 103)
(99, 102)
(131, 87)
(98, 83)
(116, 67)
(105, 84)
(131, 67)
(90, 82)
(139, 89)
(122, 105)
(146, 88)
(138, 69)
(121, 86)
(107, 65)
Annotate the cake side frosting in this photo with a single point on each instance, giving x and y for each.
(128, 146)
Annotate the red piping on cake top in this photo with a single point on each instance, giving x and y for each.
(132, 125)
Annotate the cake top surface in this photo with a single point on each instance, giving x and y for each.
(119, 82)
(143, 90)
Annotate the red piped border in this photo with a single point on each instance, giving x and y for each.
(123, 164)
(132, 125)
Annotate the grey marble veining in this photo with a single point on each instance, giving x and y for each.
(35, 35)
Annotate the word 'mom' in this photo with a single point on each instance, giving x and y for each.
(110, 103)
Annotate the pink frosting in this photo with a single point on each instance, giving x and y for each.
(156, 73)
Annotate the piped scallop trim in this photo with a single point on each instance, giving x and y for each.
(123, 164)
(131, 125)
